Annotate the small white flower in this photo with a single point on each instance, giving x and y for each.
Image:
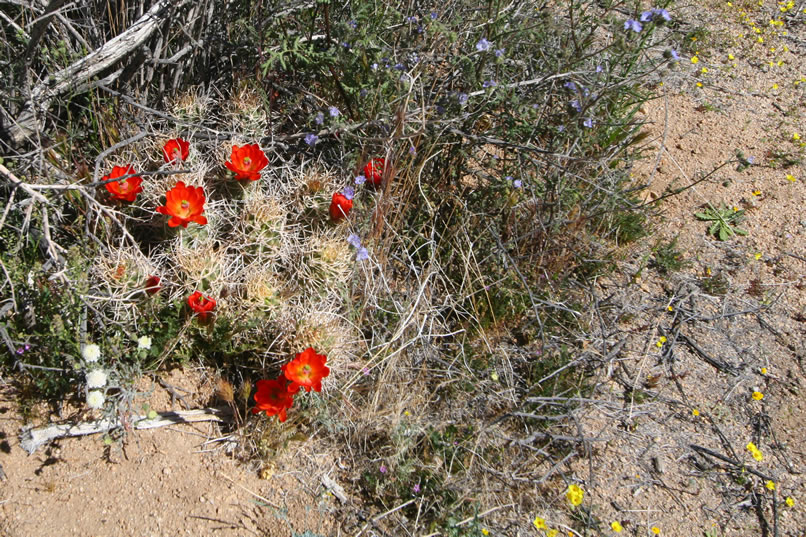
(91, 352)
(96, 378)
(95, 399)
(144, 342)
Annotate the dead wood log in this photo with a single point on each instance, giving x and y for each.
(80, 72)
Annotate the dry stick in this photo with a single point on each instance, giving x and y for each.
(258, 496)
(32, 439)
(720, 365)
(382, 515)
(728, 460)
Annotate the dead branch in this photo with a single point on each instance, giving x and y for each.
(32, 439)
(89, 66)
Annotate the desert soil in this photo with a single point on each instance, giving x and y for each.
(741, 302)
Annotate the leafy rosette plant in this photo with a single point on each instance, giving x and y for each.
(273, 397)
(184, 204)
(125, 189)
(306, 370)
(247, 161)
(176, 150)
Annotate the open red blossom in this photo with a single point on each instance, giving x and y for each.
(185, 204)
(175, 150)
(306, 370)
(340, 206)
(153, 285)
(202, 305)
(273, 397)
(373, 171)
(247, 161)
(127, 189)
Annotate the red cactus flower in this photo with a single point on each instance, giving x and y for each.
(373, 171)
(175, 150)
(202, 305)
(127, 189)
(340, 206)
(306, 370)
(247, 161)
(153, 285)
(184, 204)
(273, 398)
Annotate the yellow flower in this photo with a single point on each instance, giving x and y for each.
(757, 192)
(775, 86)
(552, 533)
(655, 530)
(669, 308)
(795, 136)
(695, 59)
(790, 502)
(730, 57)
(757, 455)
(695, 412)
(751, 446)
(540, 523)
(485, 531)
(704, 70)
(574, 495)
(699, 84)
(763, 370)
(662, 339)
(758, 255)
(790, 178)
(616, 526)
(770, 485)
(758, 396)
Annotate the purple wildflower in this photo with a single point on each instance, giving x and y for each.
(412, 150)
(352, 24)
(311, 139)
(673, 55)
(508, 178)
(354, 240)
(362, 254)
(349, 192)
(499, 52)
(333, 111)
(646, 16)
(365, 371)
(360, 179)
(462, 98)
(20, 350)
(588, 122)
(383, 469)
(662, 13)
(434, 15)
(633, 25)
(560, 128)
(570, 86)
(489, 84)
(416, 488)
(363, 93)
(599, 69)
(483, 45)
(374, 66)
(319, 119)
(575, 105)
(400, 67)
(412, 18)
(345, 44)
(517, 183)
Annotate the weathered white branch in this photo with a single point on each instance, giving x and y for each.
(32, 439)
(94, 63)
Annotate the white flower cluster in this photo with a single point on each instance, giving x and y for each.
(95, 399)
(91, 353)
(96, 378)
